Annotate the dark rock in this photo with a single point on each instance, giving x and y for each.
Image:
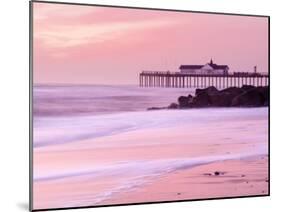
(185, 101)
(233, 91)
(250, 98)
(224, 97)
(201, 99)
(221, 99)
(173, 106)
(156, 108)
(247, 87)
(202, 96)
(190, 97)
(246, 96)
(264, 91)
(214, 98)
(209, 90)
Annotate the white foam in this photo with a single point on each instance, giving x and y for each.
(59, 130)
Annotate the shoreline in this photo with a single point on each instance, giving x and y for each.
(229, 178)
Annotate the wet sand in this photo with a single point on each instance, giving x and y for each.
(229, 178)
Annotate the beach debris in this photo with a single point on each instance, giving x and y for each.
(216, 173)
(243, 175)
(178, 193)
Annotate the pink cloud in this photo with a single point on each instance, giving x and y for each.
(75, 44)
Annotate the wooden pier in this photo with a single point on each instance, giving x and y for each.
(180, 80)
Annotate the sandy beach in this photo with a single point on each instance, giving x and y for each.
(230, 178)
(171, 157)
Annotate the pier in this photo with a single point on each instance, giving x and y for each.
(181, 80)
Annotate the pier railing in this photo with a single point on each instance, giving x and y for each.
(182, 80)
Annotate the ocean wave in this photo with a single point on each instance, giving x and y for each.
(60, 130)
(70, 100)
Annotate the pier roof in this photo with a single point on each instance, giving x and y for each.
(191, 66)
(213, 65)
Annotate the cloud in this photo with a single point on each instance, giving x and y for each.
(58, 27)
(63, 36)
(46, 11)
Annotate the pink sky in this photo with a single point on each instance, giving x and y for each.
(101, 45)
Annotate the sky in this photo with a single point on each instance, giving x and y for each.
(77, 44)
